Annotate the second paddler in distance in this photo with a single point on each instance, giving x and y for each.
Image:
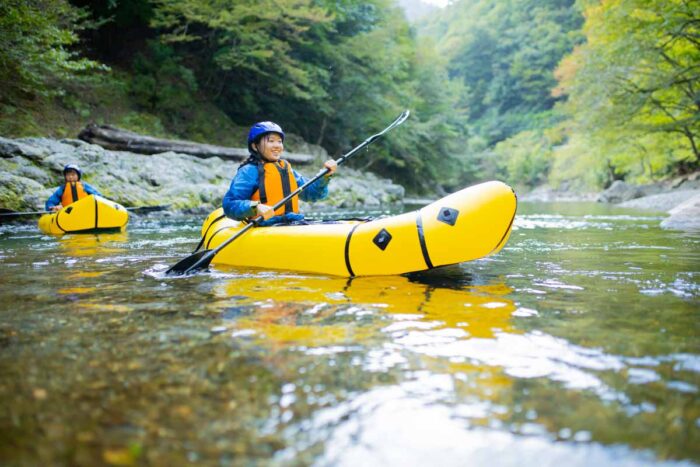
(71, 191)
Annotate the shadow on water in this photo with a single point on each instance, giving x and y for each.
(450, 277)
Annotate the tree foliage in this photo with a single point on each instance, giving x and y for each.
(525, 158)
(160, 81)
(330, 71)
(505, 52)
(591, 90)
(634, 90)
(36, 48)
(618, 78)
(251, 41)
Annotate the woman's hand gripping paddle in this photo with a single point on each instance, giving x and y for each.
(202, 259)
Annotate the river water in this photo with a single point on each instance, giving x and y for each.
(577, 344)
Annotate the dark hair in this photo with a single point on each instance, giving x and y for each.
(253, 158)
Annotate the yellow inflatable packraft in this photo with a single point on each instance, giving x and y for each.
(464, 226)
(90, 214)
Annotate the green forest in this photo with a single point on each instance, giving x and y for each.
(559, 92)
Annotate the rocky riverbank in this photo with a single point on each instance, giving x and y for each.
(31, 169)
(679, 197)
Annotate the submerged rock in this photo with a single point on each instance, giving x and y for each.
(31, 169)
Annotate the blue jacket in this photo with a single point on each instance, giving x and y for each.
(55, 198)
(237, 199)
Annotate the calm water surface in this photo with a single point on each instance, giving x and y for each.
(578, 344)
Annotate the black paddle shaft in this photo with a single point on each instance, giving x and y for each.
(202, 259)
(10, 213)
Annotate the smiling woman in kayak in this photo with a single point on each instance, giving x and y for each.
(265, 179)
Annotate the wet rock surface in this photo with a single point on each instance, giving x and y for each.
(685, 216)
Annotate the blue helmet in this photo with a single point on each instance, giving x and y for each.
(260, 129)
(73, 167)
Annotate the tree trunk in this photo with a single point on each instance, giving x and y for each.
(116, 139)
(322, 132)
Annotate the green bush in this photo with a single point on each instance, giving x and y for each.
(160, 82)
(524, 160)
(36, 37)
(144, 123)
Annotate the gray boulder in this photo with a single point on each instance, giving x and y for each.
(661, 202)
(622, 192)
(619, 192)
(685, 216)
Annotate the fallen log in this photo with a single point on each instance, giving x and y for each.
(116, 139)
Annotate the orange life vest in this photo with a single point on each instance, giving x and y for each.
(72, 192)
(275, 181)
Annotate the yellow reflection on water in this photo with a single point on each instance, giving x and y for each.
(86, 274)
(388, 323)
(305, 310)
(93, 244)
(76, 290)
(280, 323)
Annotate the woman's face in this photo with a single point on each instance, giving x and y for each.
(270, 147)
(71, 176)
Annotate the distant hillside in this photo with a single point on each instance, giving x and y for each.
(416, 9)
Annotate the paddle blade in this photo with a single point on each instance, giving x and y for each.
(192, 263)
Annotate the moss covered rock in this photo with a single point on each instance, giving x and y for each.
(31, 168)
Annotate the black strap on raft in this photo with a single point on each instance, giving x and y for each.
(97, 210)
(348, 266)
(201, 242)
(421, 239)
